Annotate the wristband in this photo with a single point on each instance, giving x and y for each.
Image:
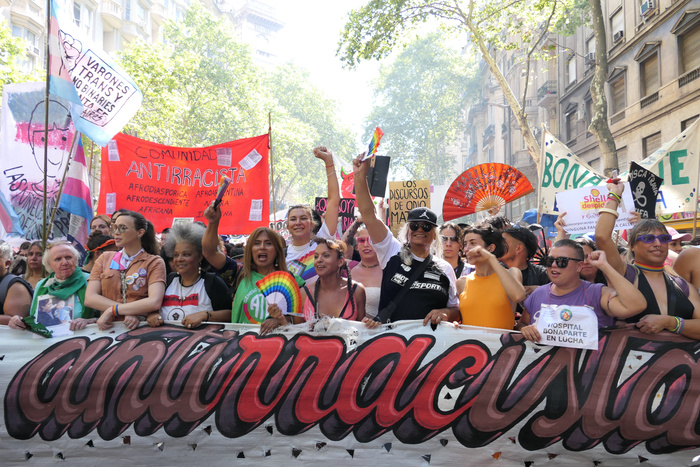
(208, 316)
(609, 211)
(678, 324)
(679, 327)
(115, 312)
(332, 172)
(614, 197)
(331, 165)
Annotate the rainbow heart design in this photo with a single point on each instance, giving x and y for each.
(304, 266)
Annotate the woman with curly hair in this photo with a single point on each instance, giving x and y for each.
(332, 295)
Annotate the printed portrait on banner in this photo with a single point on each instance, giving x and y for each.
(22, 154)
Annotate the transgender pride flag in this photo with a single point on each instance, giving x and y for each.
(9, 222)
(76, 198)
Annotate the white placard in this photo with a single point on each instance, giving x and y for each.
(582, 205)
(568, 326)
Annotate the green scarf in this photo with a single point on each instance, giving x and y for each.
(75, 284)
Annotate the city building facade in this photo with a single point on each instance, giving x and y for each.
(112, 24)
(653, 90)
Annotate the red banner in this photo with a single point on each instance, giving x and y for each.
(165, 182)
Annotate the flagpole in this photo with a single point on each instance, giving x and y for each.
(272, 167)
(45, 235)
(540, 174)
(63, 180)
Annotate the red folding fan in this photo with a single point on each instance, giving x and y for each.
(483, 187)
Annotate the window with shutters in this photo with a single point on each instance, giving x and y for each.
(650, 144)
(618, 94)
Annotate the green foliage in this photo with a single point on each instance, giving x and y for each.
(200, 86)
(303, 118)
(12, 49)
(374, 30)
(421, 97)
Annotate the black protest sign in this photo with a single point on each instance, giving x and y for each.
(346, 211)
(645, 188)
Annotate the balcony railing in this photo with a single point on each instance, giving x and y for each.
(547, 94)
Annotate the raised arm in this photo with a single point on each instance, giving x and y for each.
(605, 226)
(629, 301)
(210, 241)
(375, 227)
(333, 205)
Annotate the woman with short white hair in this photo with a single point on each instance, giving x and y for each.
(66, 283)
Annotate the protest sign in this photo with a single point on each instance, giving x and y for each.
(582, 205)
(568, 326)
(677, 162)
(562, 171)
(404, 196)
(22, 156)
(104, 96)
(163, 182)
(645, 189)
(343, 394)
(346, 211)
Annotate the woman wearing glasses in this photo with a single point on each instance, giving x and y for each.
(490, 293)
(431, 294)
(451, 238)
(671, 303)
(130, 282)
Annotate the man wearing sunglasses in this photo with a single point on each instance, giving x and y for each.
(434, 286)
(567, 288)
(672, 304)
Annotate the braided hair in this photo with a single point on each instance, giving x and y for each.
(339, 247)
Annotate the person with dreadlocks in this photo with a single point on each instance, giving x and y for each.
(332, 295)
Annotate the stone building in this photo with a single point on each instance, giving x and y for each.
(653, 89)
(112, 24)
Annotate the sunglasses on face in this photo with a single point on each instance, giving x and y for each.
(362, 240)
(452, 239)
(650, 238)
(561, 262)
(414, 226)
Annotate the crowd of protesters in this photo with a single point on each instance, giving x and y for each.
(494, 274)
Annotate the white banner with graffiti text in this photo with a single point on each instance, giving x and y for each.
(402, 394)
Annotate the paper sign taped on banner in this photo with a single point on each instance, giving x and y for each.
(568, 326)
(223, 156)
(256, 208)
(251, 160)
(112, 151)
(582, 205)
(111, 203)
